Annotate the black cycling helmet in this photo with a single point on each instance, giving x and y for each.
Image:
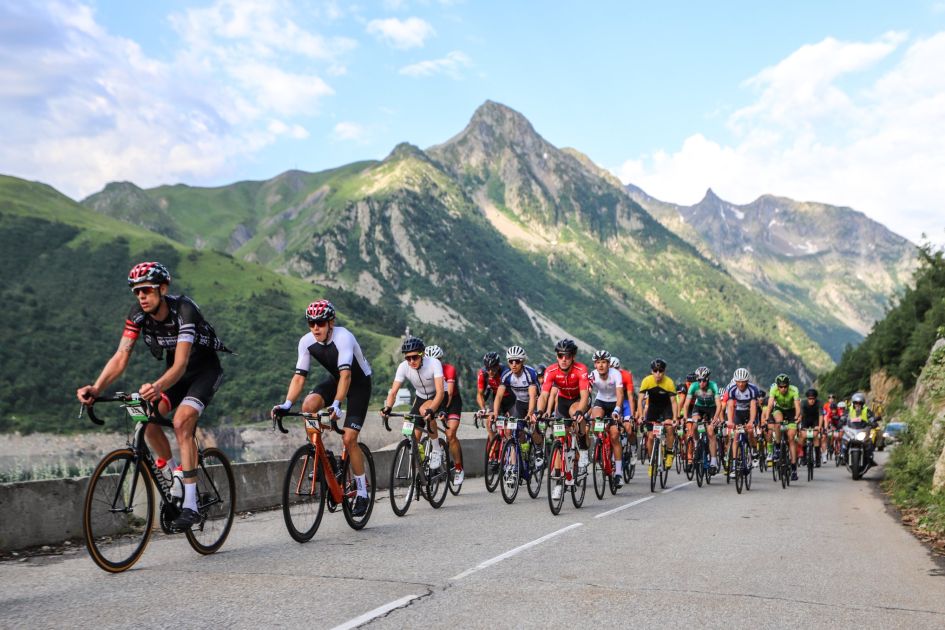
(658, 364)
(490, 360)
(541, 369)
(811, 393)
(782, 379)
(691, 377)
(153, 272)
(702, 372)
(411, 344)
(567, 346)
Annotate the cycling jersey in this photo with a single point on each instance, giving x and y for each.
(605, 385)
(784, 402)
(184, 323)
(743, 398)
(570, 384)
(519, 383)
(627, 378)
(340, 352)
(422, 378)
(810, 414)
(704, 398)
(489, 384)
(659, 397)
(452, 405)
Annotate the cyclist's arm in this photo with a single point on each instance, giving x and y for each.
(675, 403)
(730, 409)
(639, 409)
(766, 414)
(585, 399)
(532, 395)
(797, 407)
(497, 403)
(112, 370)
(392, 394)
(619, 404)
(718, 408)
(172, 375)
(480, 398)
(295, 388)
(752, 410)
(438, 397)
(344, 383)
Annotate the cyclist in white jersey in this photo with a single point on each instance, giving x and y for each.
(522, 381)
(608, 401)
(426, 376)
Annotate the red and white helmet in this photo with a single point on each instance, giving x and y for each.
(320, 311)
(153, 272)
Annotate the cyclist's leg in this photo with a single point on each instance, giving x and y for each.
(358, 398)
(453, 416)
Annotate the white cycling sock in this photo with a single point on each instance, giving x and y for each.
(190, 496)
(362, 485)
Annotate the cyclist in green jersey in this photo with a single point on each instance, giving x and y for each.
(783, 409)
(703, 396)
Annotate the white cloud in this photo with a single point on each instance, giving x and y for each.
(402, 34)
(350, 131)
(451, 65)
(810, 136)
(82, 107)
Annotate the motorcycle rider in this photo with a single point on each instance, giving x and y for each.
(861, 417)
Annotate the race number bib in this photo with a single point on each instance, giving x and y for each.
(599, 426)
(559, 429)
(137, 413)
(810, 434)
(408, 427)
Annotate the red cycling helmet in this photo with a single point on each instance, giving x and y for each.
(153, 272)
(320, 311)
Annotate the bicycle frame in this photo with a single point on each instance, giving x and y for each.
(314, 422)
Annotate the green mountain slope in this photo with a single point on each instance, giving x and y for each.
(494, 238)
(66, 298)
(831, 269)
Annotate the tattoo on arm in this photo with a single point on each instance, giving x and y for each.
(126, 345)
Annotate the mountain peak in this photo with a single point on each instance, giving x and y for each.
(710, 196)
(407, 150)
(494, 126)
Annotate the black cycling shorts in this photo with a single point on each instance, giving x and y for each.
(506, 404)
(608, 407)
(454, 408)
(659, 412)
(707, 413)
(742, 416)
(359, 395)
(196, 390)
(563, 407)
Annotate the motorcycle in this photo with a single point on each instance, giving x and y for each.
(858, 448)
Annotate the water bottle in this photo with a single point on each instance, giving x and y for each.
(420, 450)
(166, 479)
(177, 490)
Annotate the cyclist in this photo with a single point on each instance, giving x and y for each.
(659, 392)
(784, 407)
(682, 393)
(487, 385)
(742, 406)
(628, 410)
(453, 409)
(348, 379)
(426, 376)
(812, 418)
(703, 398)
(608, 385)
(522, 381)
(540, 371)
(173, 328)
(569, 378)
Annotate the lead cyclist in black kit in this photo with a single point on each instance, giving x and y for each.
(171, 324)
(349, 377)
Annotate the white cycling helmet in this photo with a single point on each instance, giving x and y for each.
(601, 355)
(614, 362)
(434, 352)
(515, 352)
(741, 374)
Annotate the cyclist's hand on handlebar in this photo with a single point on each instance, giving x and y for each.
(149, 392)
(616, 416)
(385, 411)
(280, 409)
(86, 395)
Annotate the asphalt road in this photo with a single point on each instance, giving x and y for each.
(820, 554)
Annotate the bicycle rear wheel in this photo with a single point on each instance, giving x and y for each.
(454, 487)
(216, 502)
(535, 474)
(492, 465)
(403, 477)
(510, 471)
(597, 469)
(664, 471)
(739, 465)
(119, 511)
(654, 465)
(748, 467)
(811, 460)
(579, 489)
(690, 463)
(698, 464)
(351, 489)
(556, 477)
(438, 479)
(303, 494)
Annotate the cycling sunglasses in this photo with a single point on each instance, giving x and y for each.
(412, 357)
(147, 289)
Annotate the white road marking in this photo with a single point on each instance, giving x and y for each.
(625, 506)
(674, 488)
(377, 612)
(511, 552)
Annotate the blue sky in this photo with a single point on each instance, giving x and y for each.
(840, 102)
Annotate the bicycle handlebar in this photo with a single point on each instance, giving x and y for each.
(149, 408)
(279, 415)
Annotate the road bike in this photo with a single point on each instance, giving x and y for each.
(658, 469)
(628, 464)
(493, 451)
(118, 513)
(519, 460)
(741, 464)
(564, 472)
(810, 453)
(315, 476)
(702, 465)
(602, 463)
(782, 464)
(410, 473)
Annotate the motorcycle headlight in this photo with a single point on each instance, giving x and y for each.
(861, 436)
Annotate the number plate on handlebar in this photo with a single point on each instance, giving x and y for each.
(598, 426)
(408, 427)
(559, 429)
(701, 428)
(658, 430)
(810, 434)
(137, 413)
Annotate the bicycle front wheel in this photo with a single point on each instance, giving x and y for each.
(556, 477)
(403, 477)
(535, 472)
(510, 471)
(119, 511)
(654, 465)
(351, 489)
(438, 478)
(303, 494)
(455, 487)
(492, 466)
(739, 464)
(597, 468)
(216, 502)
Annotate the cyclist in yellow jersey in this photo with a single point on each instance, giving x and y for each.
(659, 391)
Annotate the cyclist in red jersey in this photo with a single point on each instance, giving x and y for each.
(628, 411)
(452, 408)
(569, 378)
(490, 377)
